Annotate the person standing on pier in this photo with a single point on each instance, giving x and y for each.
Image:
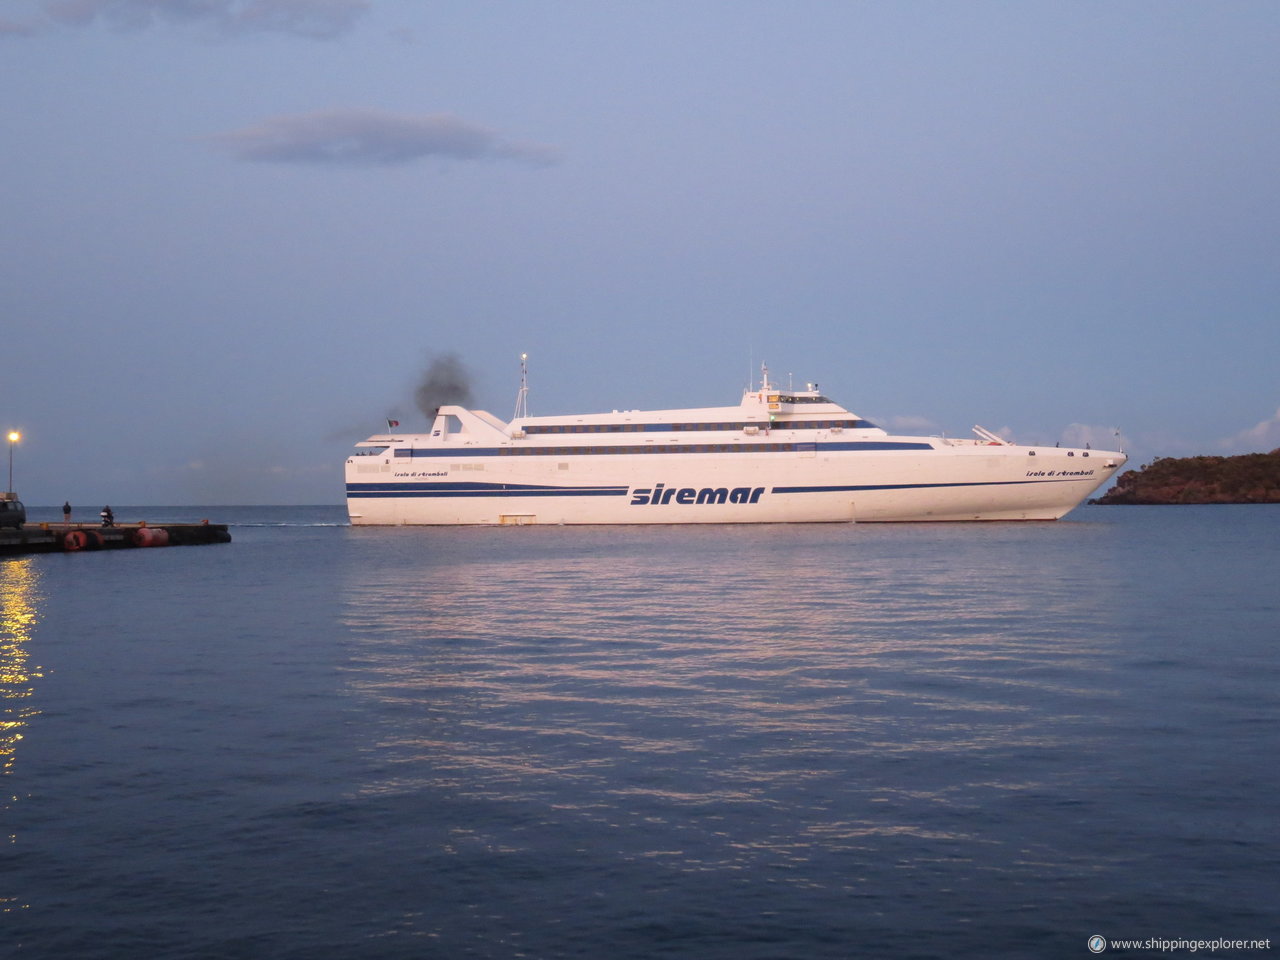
(108, 518)
(66, 513)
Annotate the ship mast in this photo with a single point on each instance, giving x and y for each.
(522, 395)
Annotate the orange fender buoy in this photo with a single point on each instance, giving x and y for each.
(81, 540)
(149, 537)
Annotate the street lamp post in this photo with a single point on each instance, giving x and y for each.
(14, 437)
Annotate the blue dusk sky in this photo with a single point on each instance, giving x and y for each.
(237, 232)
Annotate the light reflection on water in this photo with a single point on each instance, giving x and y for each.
(806, 691)
(19, 613)
(19, 580)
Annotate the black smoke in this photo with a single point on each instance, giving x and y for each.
(445, 380)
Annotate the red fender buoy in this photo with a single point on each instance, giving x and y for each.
(81, 540)
(150, 537)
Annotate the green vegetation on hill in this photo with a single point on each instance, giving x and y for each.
(1247, 478)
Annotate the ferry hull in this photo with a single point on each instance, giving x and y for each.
(974, 484)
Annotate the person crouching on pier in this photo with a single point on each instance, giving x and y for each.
(108, 518)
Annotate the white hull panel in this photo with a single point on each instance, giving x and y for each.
(967, 484)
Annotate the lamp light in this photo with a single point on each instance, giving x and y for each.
(14, 437)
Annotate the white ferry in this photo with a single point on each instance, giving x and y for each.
(780, 456)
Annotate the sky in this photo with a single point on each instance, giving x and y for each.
(234, 234)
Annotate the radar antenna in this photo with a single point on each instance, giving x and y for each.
(522, 396)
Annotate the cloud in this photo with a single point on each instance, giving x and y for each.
(909, 423)
(1091, 435)
(317, 19)
(1263, 437)
(369, 137)
(11, 28)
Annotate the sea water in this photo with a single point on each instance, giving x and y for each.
(721, 743)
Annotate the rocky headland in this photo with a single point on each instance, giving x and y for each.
(1246, 478)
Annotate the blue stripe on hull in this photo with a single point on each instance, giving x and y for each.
(477, 490)
(856, 487)
(587, 450)
(436, 490)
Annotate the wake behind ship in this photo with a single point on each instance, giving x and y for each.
(789, 456)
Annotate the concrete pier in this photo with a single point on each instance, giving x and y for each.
(78, 537)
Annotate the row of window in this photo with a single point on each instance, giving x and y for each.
(695, 427)
(681, 448)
